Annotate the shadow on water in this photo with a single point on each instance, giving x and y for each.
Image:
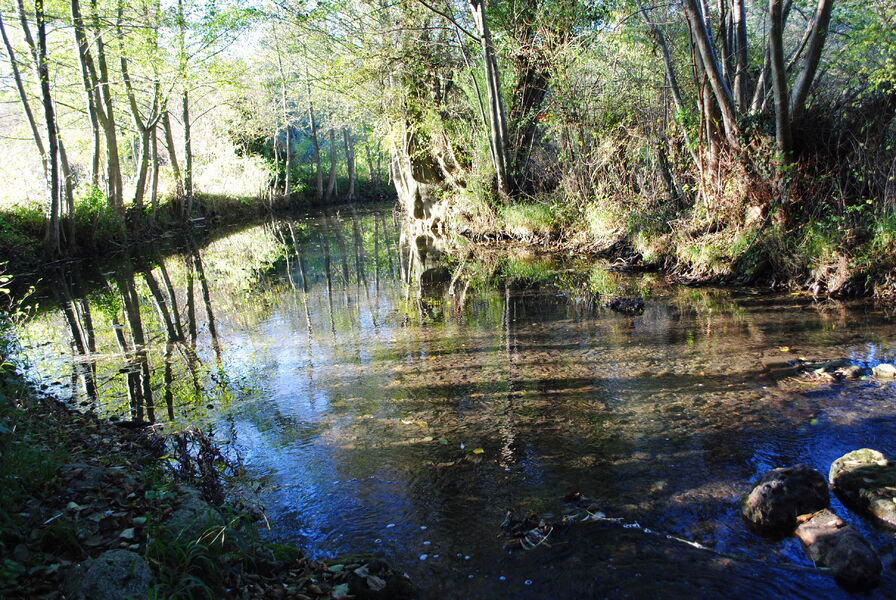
(398, 397)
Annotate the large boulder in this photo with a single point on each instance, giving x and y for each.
(781, 495)
(832, 543)
(866, 482)
(117, 575)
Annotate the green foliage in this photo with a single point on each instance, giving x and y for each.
(21, 230)
(96, 218)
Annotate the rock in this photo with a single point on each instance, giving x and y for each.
(832, 543)
(782, 494)
(626, 306)
(193, 517)
(866, 482)
(117, 575)
(884, 371)
(83, 477)
(836, 370)
(375, 580)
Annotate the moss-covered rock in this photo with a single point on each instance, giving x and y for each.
(866, 482)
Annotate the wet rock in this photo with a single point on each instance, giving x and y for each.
(884, 371)
(835, 370)
(782, 494)
(626, 306)
(375, 580)
(830, 542)
(117, 575)
(866, 482)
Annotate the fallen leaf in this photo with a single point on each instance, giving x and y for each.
(478, 451)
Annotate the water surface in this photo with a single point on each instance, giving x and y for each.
(396, 400)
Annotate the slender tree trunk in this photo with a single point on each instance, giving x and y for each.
(671, 78)
(720, 89)
(172, 154)
(331, 182)
(88, 79)
(742, 64)
(52, 240)
(23, 98)
(188, 156)
(287, 159)
(498, 120)
(154, 180)
(806, 76)
(315, 142)
(185, 112)
(107, 117)
(349, 161)
(778, 76)
(69, 193)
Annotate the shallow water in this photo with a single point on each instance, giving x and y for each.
(399, 401)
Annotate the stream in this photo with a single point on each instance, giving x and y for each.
(394, 399)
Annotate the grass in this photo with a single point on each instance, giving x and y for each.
(528, 221)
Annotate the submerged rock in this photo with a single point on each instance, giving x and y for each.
(866, 482)
(117, 575)
(830, 542)
(626, 306)
(782, 494)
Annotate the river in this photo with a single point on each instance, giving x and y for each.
(393, 399)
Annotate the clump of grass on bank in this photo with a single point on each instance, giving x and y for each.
(528, 221)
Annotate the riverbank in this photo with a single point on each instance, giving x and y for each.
(835, 258)
(98, 231)
(97, 510)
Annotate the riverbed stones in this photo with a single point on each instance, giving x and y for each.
(626, 306)
(781, 495)
(117, 575)
(884, 371)
(866, 482)
(831, 542)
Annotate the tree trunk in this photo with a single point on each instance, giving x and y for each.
(349, 161)
(498, 120)
(742, 64)
(813, 56)
(287, 159)
(23, 98)
(172, 154)
(319, 175)
(720, 89)
(106, 116)
(188, 156)
(154, 183)
(52, 240)
(88, 79)
(331, 182)
(778, 76)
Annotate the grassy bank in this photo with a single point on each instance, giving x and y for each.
(837, 255)
(96, 229)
